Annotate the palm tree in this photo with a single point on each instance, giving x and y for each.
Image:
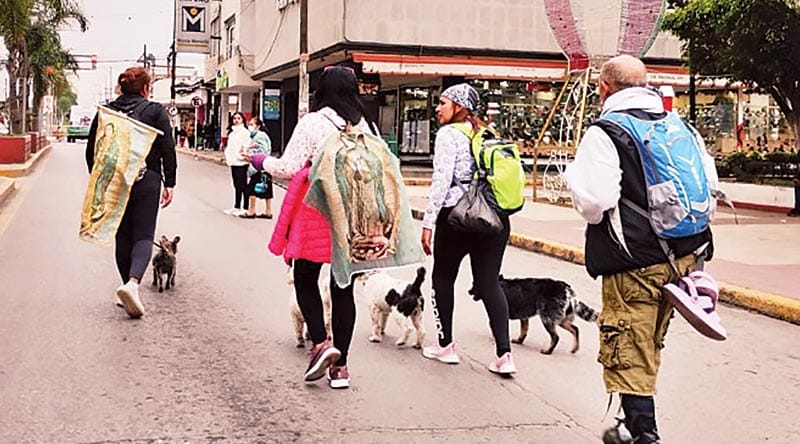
(30, 27)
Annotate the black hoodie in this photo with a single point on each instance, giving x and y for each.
(161, 158)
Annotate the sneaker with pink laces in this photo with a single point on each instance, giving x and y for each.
(321, 356)
(338, 377)
(443, 354)
(504, 365)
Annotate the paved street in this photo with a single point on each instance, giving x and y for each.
(214, 359)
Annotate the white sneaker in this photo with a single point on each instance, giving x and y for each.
(232, 211)
(442, 354)
(504, 365)
(128, 294)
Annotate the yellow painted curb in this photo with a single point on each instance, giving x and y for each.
(19, 170)
(7, 187)
(770, 304)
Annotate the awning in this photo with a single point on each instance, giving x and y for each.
(483, 68)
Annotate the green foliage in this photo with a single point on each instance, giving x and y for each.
(29, 29)
(775, 167)
(752, 41)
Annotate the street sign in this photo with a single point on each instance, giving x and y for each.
(197, 101)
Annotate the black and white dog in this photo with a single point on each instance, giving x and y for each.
(553, 300)
(389, 295)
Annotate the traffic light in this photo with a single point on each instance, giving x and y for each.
(94, 61)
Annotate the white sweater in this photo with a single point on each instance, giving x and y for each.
(238, 140)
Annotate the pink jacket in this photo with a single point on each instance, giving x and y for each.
(301, 232)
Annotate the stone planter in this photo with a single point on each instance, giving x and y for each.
(15, 149)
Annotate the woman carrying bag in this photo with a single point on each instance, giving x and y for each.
(453, 168)
(260, 184)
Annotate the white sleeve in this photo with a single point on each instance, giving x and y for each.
(710, 168)
(444, 163)
(299, 150)
(594, 176)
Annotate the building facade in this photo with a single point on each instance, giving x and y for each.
(406, 51)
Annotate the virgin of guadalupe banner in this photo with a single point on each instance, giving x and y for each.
(120, 149)
(356, 184)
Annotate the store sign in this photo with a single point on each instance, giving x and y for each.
(282, 4)
(271, 104)
(192, 33)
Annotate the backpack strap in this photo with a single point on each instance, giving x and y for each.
(661, 242)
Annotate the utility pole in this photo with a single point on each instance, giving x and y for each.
(144, 56)
(302, 99)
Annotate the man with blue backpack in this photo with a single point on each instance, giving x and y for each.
(645, 184)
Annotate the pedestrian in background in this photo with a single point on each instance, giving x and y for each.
(134, 237)
(302, 234)
(260, 145)
(453, 162)
(622, 247)
(238, 143)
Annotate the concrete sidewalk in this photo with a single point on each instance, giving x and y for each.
(757, 261)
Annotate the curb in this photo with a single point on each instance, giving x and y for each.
(21, 169)
(7, 188)
(769, 304)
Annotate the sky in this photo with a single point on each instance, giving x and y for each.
(118, 31)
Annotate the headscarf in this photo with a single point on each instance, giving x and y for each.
(463, 95)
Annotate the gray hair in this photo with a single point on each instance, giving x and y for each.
(624, 71)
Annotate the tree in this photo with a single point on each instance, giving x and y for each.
(756, 42)
(28, 28)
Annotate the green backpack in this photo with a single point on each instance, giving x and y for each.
(498, 161)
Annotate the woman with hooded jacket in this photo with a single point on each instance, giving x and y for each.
(306, 241)
(134, 237)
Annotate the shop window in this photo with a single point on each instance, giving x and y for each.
(415, 124)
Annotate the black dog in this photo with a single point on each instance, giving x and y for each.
(165, 263)
(554, 301)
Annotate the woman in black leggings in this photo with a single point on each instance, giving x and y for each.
(453, 161)
(134, 237)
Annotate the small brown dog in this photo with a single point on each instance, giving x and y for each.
(165, 263)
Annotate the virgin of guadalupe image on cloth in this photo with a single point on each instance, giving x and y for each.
(355, 183)
(106, 154)
(370, 207)
(120, 151)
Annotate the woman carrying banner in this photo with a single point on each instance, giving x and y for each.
(134, 237)
(302, 234)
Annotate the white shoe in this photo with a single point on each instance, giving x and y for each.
(447, 354)
(504, 365)
(128, 294)
(232, 211)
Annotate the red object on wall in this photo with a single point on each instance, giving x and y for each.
(15, 149)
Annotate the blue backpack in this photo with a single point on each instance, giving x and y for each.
(678, 194)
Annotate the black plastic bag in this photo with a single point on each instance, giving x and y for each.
(473, 213)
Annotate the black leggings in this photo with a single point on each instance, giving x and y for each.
(134, 239)
(343, 307)
(485, 256)
(239, 175)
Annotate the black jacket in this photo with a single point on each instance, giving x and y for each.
(605, 253)
(161, 158)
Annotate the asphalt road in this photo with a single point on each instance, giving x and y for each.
(213, 360)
